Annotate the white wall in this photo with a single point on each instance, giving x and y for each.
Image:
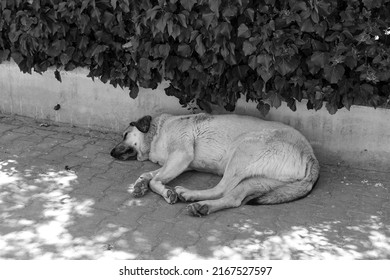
(83, 102)
(359, 137)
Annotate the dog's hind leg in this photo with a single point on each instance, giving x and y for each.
(260, 190)
(235, 172)
(216, 192)
(247, 189)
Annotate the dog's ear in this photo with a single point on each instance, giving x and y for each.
(143, 124)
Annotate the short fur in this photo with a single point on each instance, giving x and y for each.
(261, 161)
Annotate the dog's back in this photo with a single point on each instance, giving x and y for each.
(215, 137)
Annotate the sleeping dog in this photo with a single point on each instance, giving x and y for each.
(260, 161)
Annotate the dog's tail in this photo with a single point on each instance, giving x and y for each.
(284, 192)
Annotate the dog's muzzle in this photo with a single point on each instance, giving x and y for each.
(123, 152)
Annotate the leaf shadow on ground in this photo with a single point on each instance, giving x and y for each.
(50, 213)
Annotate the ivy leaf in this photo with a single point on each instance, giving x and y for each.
(208, 19)
(307, 26)
(17, 57)
(4, 54)
(83, 42)
(108, 19)
(243, 31)
(366, 90)
(250, 13)
(265, 60)
(188, 4)
(292, 104)
(318, 61)
(57, 75)
(230, 11)
(334, 73)
(163, 50)
(266, 74)
(309, 105)
(184, 50)
(134, 91)
(347, 101)
(113, 3)
(351, 62)
(224, 29)
(199, 47)
(151, 13)
(248, 48)
(176, 31)
(99, 49)
(214, 6)
(56, 48)
(204, 105)
(64, 58)
(161, 24)
(146, 64)
(274, 99)
(184, 65)
(263, 108)
(182, 19)
(252, 62)
(331, 107)
(240, 71)
(286, 65)
(315, 17)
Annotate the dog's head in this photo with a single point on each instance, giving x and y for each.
(132, 145)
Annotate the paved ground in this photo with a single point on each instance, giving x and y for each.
(63, 197)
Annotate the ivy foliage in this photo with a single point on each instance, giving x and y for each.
(212, 51)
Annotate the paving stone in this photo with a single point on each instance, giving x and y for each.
(87, 225)
(6, 127)
(49, 142)
(44, 132)
(183, 232)
(87, 172)
(90, 151)
(118, 186)
(92, 187)
(107, 145)
(122, 172)
(24, 130)
(166, 212)
(33, 138)
(8, 137)
(74, 162)
(145, 237)
(19, 146)
(111, 201)
(64, 136)
(78, 142)
(58, 155)
(130, 212)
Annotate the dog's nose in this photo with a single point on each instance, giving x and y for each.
(113, 153)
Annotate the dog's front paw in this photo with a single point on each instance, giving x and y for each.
(183, 193)
(140, 188)
(198, 210)
(171, 196)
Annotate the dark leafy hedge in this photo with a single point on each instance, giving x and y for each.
(212, 51)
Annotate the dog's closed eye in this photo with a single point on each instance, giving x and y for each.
(125, 135)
